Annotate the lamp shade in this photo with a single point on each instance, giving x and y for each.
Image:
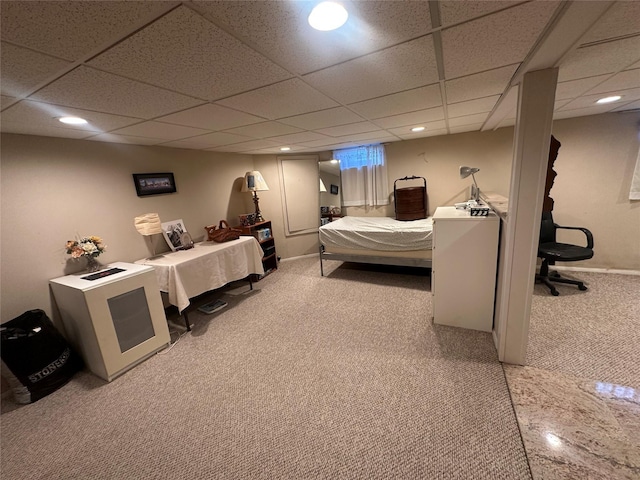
(466, 171)
(254, 182)
(322, 186)
(148, 224)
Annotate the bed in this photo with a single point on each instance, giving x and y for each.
(378, 240)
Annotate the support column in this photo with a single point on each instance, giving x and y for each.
(516, 274)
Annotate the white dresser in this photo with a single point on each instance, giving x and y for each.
(114, 321)
(464, 265)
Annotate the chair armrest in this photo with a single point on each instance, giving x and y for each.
(586, 231)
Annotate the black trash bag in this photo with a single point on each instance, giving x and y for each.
(36, 358)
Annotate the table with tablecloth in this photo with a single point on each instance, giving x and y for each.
(185, 274)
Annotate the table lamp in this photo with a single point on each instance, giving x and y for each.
(464, 173)
(147, 225)
(254, 182)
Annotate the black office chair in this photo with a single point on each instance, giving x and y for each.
(551, 251)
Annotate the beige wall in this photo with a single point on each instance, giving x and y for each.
(54, 189)
(595, 165)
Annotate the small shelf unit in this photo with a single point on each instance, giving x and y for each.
(263, 232)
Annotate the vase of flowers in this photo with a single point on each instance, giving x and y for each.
(89, 248)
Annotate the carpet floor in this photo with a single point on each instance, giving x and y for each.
(305, 377)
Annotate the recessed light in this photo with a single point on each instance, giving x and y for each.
(285, 149)
(614, 98)
(417, 129)
(333, 160)
(73, 120)
(328, 16)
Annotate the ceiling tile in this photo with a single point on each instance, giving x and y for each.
(217, 139)
(610, 57)
(128, 139)
(404, 102)
(22, 70)
(634, 66)
(352, 128)
(620, 20)
(264, 130)
(622, 81)
(377, 136)
(246, 146)
(575, 88)
(275, 150)
(410, 119)
(468, 120)
(211, 117)
(474, 127)
(186, 53)
(322, 119)
(455, 11)
(471, 107)
(283, 99)
(208, 140)
(45, 130)
(301, 137)
(188, 143)
(324, 144)
(165, 131)
(403, 67)
(280, 29)
(581, 112)
(479, 85)
(45, 115)
(5, 101)
(628, 106)
(405, 133)
(494, 41)
(95, 90)
(46, 25)
(587, 101)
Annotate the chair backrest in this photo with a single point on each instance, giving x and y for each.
(547, 228)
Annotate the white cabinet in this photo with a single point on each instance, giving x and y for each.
(114, 321)
(464, 265)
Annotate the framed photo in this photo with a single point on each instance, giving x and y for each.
(334, 189)
(154, 183)
(174, 232)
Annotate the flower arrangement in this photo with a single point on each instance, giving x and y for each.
(85, 247)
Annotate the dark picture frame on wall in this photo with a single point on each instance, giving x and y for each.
(334, 189)
(154, 183)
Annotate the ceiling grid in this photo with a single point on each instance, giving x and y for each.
(253, 76)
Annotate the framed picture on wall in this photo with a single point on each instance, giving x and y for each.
(154, 183)
(334, 189)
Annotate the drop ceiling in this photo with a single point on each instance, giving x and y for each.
(254, 77)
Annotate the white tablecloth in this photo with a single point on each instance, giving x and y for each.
(208, 265)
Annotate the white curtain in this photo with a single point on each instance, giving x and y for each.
(363, 175)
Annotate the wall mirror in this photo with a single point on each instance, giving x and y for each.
(330, 188)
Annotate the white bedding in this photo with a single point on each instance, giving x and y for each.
(378, 233)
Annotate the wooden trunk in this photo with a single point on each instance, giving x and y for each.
(411, 203)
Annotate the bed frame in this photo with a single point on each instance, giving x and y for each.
(374, 259)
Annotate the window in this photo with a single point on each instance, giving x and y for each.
(363, 173)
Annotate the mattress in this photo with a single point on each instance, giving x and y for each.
(378, 234)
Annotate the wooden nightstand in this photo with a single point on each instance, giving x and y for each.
(263, 232)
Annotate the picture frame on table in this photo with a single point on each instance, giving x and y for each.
(154, 183)
(176, 235)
